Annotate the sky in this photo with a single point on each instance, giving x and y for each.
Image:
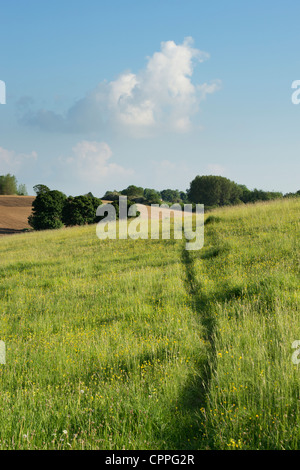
(101, 94)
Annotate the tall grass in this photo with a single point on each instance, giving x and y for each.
(141, 344)
(248, 279)
(100, 342)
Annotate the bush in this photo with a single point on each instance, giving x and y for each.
(171, 195)
(111, 195)
(133, 191)
(47, 210)
(212, 219)
(80, 210)
(152, 196)
(117, 208)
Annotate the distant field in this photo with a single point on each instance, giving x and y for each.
(15, 210)
(140, 344)
(14, 213)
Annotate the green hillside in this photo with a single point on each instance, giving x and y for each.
(140, 344)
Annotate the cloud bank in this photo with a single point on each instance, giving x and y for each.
(161, 97)
(90, 161)
(11, 161)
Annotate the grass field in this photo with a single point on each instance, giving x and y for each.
(141, 344)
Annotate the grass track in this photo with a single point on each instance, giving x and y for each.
(249, 275)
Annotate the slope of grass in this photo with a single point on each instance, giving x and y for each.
(140, 344)
(247, 278)
(100, 342)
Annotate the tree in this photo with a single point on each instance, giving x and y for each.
(152, 196)
(22, 191)
(80, 210)
(111, 195)
(183, 196)
(8, 184)
(133, 191)
(40, 188)
(47, 210)
(214, 191)
(170, 195)
(230, 192)
(245, 193)
(115, 204)
(260, 195)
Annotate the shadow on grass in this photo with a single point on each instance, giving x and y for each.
(12, 231)
(187, 429)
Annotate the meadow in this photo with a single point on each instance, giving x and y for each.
(141, 344)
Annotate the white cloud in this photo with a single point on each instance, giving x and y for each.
(158, 98)
(11, 161)
(90, 161)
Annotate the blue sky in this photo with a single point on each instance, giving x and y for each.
(102, 94)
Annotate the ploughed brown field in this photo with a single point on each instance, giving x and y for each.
(14, 212)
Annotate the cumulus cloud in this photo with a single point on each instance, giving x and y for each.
(11, 161)
(90, 161)
(160, 97)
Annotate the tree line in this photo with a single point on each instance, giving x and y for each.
(216, 191)
(52, 209)
(9, 186)
(141, 195)
(212, 191)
